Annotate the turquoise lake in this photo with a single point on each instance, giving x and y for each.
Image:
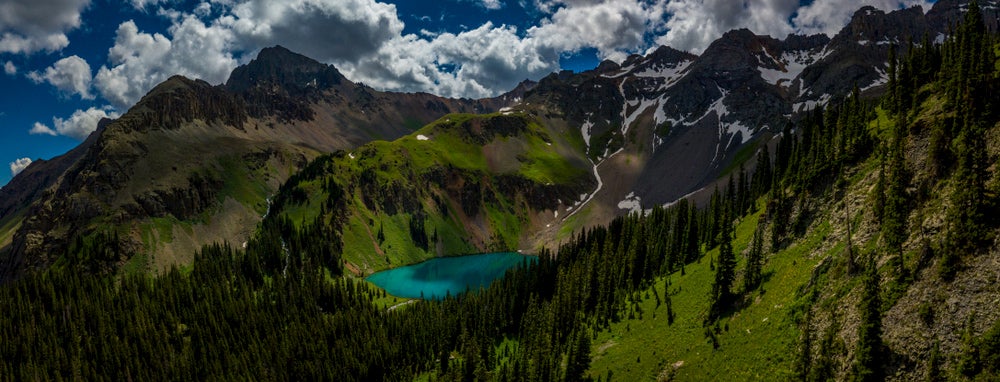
(435, 278)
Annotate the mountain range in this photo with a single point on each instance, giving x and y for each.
(807, 208)
(192, 163)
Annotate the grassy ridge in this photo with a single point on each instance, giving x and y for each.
(757, 342)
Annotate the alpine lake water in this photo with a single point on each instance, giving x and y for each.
(439, 277)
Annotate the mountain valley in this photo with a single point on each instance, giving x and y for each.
(806, 208)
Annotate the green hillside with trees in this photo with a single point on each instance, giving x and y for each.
(835, 259)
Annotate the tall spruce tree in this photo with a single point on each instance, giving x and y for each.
(889, 101)
(894, 226)
(578, 357)
(725, 270)
(755, 261)
(869, 358)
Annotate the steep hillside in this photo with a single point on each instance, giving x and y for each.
(192, 164)
(887, 268)
(689, 119)
(463, 184)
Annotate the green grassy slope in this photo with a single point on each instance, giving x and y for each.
(462, 184)
(810, 294)
(757, 342)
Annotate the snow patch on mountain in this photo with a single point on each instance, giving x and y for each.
(882, 80)
(632, 203)
(811, 104)
(622, 72)
(586, 198)
(585, 132)
(630, 118)
(791, 64)
(670, 74)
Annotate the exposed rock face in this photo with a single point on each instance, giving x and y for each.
(40, 175)
(947, 13)
(284, 71)
(857, 55)
(179, 100)
(282, 83)
(696, 112)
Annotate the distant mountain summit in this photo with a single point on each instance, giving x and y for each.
(282, 83)
(280, 68)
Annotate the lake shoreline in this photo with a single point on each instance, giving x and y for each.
(440, 277)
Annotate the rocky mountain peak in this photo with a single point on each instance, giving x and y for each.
(802, 42)
(279, 67)
(946, 13)
(283, 83)
(870, 25)
(736, 56)
(518, 92)
(662, 58)
(179, 100)
(666, 54)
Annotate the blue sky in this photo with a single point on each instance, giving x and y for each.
(68, 63)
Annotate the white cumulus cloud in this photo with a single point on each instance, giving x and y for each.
(829, 16)
(365, 40)
(490, 59)
(143, 4)
(78, 126)
(71, 75)
(492, 4)
(326, 30)
(41, 129)
(19, 165)
(614, 27)
(480, 63)
(693, 24)
(29, 26)
(140, 61)
(9, 68)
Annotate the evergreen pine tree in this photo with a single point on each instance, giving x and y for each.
(755, 260)
(868, 359)
(725, 270)
(890, 99)
(894, 226)
(578, 359)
